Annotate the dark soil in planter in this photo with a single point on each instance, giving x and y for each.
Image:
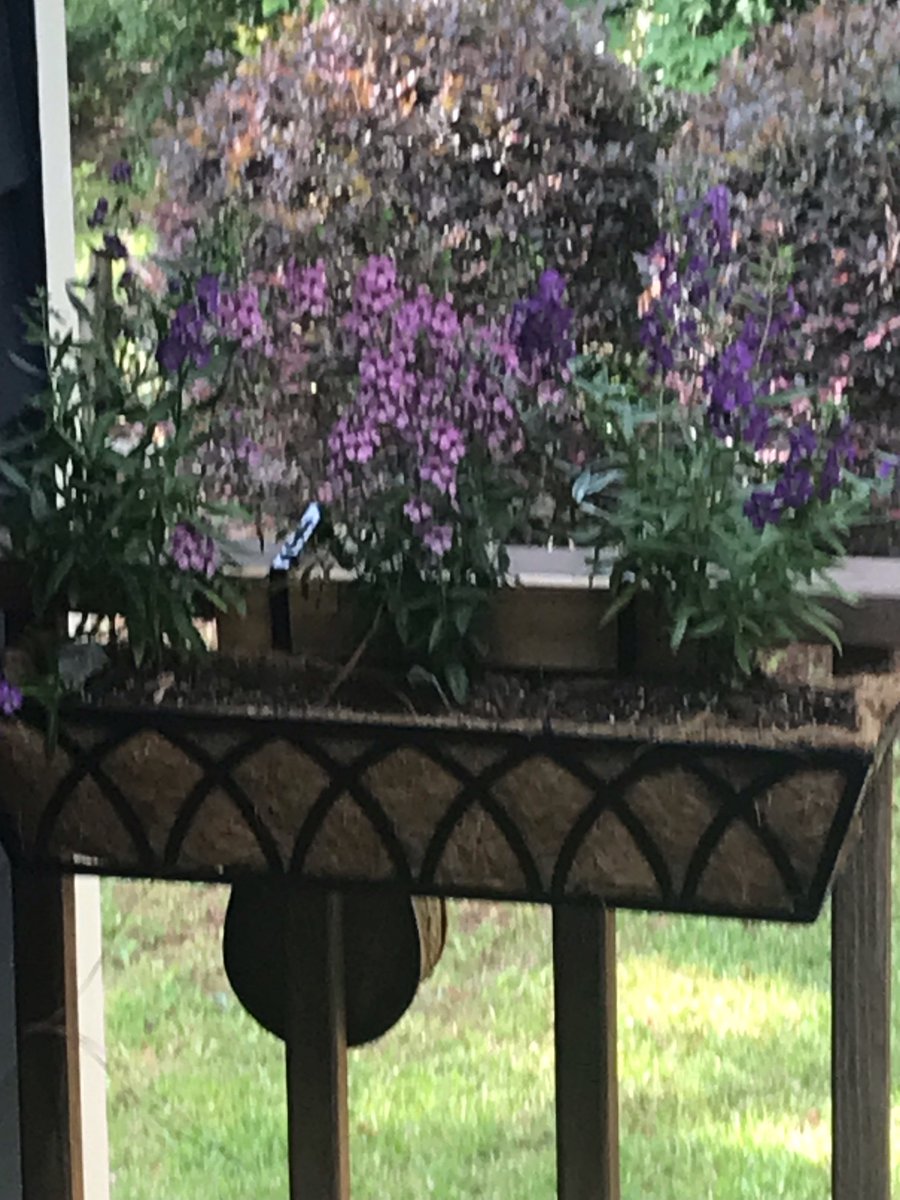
(286, 686)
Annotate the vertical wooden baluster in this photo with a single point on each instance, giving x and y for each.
(587, 1112)
(10, 1150)
(47, 1020)
(318, 1133)
(861, 1006)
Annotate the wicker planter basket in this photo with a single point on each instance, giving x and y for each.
(700, 819)
(704, 816)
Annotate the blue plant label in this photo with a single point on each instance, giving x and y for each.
(294, 545)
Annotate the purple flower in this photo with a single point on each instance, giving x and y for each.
(207, 291)
(718, 203)
(438, 539)
(541, 326)
(11, 698)
(763, 508)
(193, 551)
(756, 426)
(803, 443)
(120, 171)
(795, 488)
(113, 246)
(100, 213)
(185, 340)
(375, 292)
(241, 319)
(248, 451)
(307, 288)
(432, 389)
(417, 511)
(729, 385)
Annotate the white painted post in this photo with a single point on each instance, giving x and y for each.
(59, 232)
(56, 153)
(91, 1038)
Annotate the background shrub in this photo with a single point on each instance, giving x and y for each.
(127, 57)
(805, 129)
(475, 142)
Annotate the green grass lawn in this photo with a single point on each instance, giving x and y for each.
(723, 1053)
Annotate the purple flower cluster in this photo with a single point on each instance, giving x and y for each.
(542, 325)
(687, 268)
(736, 348)
(213, 315)
(194, 551)
(307, 288)
(240, 319)
(11, 698)
(814, 466)
(188, 338)
(433, 388)
(375, 293)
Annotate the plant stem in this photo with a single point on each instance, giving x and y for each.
(353, 661)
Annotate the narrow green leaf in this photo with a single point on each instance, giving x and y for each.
(458, 681)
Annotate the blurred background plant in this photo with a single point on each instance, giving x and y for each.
(680, 44)
(440, 135)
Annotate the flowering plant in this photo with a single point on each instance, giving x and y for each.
(726, 483)
(424, 471)
(103, 509)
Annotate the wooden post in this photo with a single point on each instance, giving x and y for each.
(10, 1156)
(316, 1046)
(587, 1101)
(861, 1007)
(47, 1020)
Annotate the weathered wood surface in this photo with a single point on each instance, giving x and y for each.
(316, 1048)
(861, 1007)
(587, 1104)
(565, 574)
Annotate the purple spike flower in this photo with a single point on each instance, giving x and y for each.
(100, 213)
(113, 246)
(120, 172)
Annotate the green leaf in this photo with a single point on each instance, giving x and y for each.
(823, 622)
(54, 581)
(680, 627)
(437, 630)
(589, 484)
(710, 626)
(213, 597)
(457, 681)
(40, 509)
(13, 475)
(619, 602)
(462, 618)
